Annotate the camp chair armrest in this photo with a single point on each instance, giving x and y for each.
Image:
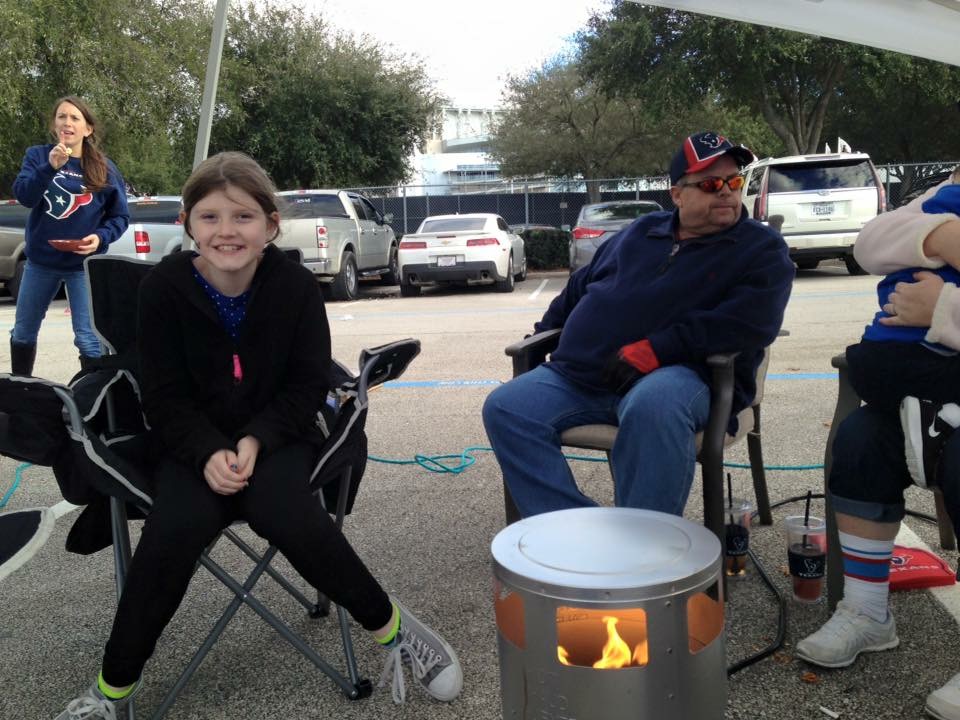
(533, 350)
(721, 361)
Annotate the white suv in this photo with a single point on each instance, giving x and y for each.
(824, 201)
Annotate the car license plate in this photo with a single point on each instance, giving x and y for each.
(446, 260)
(823, 208)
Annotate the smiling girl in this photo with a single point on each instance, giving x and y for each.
(75, 193)
(234, 351)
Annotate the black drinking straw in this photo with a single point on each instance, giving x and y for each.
(730, 497)
(806, 516)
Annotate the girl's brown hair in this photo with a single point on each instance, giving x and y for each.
(93, 161)
(230, 169)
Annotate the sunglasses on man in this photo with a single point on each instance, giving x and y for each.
(715, 183)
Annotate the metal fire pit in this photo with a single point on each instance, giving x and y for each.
(609, 614)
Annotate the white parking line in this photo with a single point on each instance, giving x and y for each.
(533, 295)
(947, 595)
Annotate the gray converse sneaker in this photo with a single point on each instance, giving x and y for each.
(433, 662)
(94, 705)
(845, 635)
(944, 703)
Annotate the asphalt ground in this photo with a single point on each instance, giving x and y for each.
(427, 536)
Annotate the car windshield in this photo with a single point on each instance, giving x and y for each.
(822, 176)
(13, 215)
(154, 211)
(311, 206)
(453, 225)
(627, 211)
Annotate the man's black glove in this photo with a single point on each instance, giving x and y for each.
(619, 375)
(629, 364)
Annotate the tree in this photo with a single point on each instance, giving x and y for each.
(318, 109)
(315, 108)
(134, 61)
(789, 79)
(557, 124)
(901, 110)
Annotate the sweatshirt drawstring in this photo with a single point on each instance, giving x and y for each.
(237, 370)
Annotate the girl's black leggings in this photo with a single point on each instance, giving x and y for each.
(186, 517)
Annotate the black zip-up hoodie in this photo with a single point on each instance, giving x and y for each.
(203, 391)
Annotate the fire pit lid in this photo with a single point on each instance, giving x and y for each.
(606, 553)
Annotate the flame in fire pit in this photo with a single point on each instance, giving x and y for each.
(616, 653)
(580, 633)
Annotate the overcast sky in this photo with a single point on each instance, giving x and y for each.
(468, 47)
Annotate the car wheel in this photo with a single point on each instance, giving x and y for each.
(807, 264)
(13, 284)
(346, 285)
(506, 285)
(392, 275)
(408, 290)
(853, 267)
(522, 275)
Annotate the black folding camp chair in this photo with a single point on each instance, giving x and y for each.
(102, 462)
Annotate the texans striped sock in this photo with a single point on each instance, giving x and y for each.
(866, 574)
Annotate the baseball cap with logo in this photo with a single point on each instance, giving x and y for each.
(702, 150)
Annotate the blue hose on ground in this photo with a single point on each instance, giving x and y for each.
(17, 477)
(439, 464)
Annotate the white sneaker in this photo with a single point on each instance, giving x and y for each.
(944, 703)
(93, 705)
(845, 635)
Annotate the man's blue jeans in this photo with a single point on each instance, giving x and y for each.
(37, 290)
(653, 458)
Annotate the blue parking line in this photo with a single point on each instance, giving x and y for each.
(395, 384)
(802, 376)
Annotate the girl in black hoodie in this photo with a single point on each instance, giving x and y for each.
(234, 348)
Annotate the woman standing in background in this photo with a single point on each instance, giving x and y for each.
(75, 194)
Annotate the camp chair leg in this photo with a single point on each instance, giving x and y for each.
(947, 539)
(363, 685)
(280, 579)
(121, 542)
(242, 595)
(755, 452)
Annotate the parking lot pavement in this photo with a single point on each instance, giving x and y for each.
(427, 535)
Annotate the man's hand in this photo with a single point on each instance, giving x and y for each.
(912, 304)
(619, 375)
(222, 473)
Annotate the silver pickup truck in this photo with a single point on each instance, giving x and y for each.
(342, 237)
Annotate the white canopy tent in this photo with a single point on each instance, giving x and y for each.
(925, 28)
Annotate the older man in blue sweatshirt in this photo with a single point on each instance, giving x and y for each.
(638, 324)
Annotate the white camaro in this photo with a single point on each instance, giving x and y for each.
(472, 249)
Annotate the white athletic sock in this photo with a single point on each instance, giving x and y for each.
(866, 574)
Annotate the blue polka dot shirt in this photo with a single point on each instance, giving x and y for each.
(231, 310)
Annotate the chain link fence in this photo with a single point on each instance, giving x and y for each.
(556, 202)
